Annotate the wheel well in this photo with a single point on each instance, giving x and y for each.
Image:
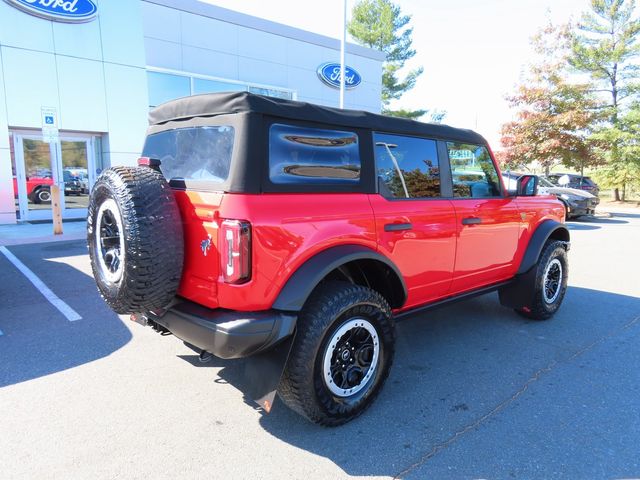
(561, 234)
(373, 274)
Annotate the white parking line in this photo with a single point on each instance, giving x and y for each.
(53, 299)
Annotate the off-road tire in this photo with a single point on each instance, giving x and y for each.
(153, 239)
(331, 306)
(540, 308)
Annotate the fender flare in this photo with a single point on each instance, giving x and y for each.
(537, 241)
(304, 280)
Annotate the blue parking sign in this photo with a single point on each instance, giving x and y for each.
(48, 119)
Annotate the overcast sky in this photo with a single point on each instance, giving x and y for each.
(473, 52)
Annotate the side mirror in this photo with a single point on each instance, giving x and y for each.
(527, 186)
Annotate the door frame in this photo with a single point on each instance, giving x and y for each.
(55, 155)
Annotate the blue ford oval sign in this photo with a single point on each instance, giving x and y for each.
(329, 73)
(58, 10)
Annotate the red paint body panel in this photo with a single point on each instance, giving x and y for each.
(486, 251)
(533, 211)
(287, 230)
(32, 184)
(200, 222)
(438, 256)
(425, 254)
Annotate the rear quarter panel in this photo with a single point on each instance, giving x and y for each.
(287, 230)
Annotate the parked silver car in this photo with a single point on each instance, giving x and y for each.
(576, 202)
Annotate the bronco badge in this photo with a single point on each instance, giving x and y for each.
(205, 245)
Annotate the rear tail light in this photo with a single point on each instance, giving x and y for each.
(235, 251)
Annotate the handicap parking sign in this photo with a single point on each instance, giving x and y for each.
(49, 124)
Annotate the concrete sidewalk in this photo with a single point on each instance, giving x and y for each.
(25, 233)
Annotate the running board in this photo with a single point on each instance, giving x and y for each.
(453, 299)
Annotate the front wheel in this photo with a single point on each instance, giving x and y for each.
(552, 274)
(341, 355)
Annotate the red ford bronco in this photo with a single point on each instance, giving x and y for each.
(254, 226)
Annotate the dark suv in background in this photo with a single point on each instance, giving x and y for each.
(575, 181)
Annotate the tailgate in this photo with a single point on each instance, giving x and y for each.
(199, 212)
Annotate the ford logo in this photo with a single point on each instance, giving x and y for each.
(58, 10)
(329, 73)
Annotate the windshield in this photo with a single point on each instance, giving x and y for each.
(194, 153)
(543, 182)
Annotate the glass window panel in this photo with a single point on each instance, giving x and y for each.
(407, 167)
(301, 155)
(474, 174)
(75, 173)
(210, 86)
(164, 87)
(271, 92)
(39, 177)
(195, 153)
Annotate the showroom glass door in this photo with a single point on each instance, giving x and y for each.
(69, 163)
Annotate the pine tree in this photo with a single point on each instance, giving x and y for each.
(379, 24)
(606, 47)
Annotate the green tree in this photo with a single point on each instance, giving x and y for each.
(623, 170)
(606, 47)
(553, 116)
(379, 24)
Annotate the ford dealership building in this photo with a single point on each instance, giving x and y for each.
(77, 79)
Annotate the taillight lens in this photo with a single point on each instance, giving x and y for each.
(235, 251)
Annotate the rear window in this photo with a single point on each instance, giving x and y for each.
(302, 155)
(194, 153)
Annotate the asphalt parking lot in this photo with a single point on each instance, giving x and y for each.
(475, 392)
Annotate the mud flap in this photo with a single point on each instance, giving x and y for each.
(519, 293)
(262, 372)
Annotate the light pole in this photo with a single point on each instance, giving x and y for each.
(388, 147)
(343, 41)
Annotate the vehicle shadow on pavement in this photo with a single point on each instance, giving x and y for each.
(453, 368)
(625, 215)
(601, 221)
(581, 226)
(37, 339)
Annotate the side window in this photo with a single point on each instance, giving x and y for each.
(407, 167)
(303, 155)
(474, 174)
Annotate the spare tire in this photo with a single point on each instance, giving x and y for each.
(135, 240)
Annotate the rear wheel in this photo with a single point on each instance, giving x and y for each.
(552, 274)
(134, 235)
(42, 195)
(341, 356)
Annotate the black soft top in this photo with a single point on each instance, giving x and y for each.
(214, 104)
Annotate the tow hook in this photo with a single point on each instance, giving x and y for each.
(140, 318)
(205, 357)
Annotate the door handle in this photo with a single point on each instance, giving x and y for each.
(397, 227)
(471, 221)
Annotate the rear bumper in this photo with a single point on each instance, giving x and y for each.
(225, 333)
